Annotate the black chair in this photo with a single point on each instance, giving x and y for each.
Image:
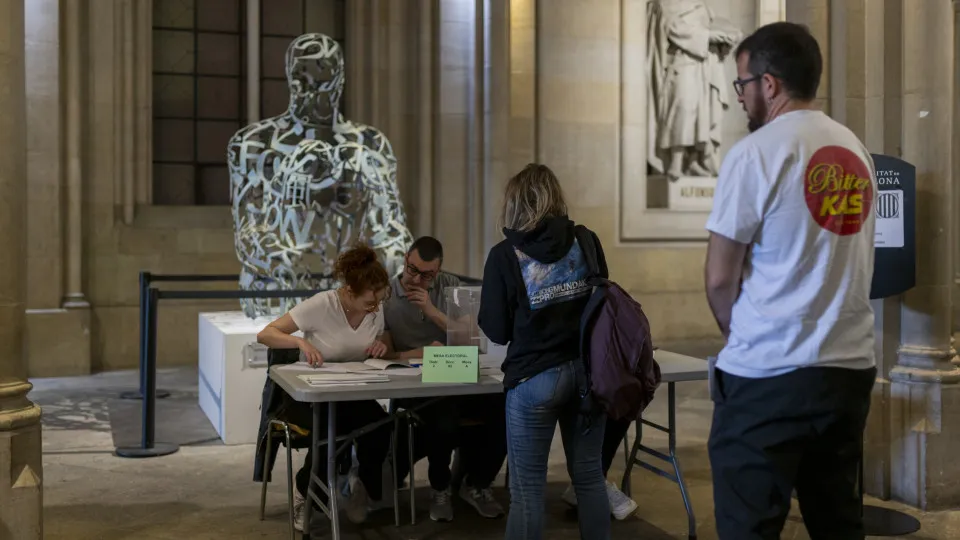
(275, 414)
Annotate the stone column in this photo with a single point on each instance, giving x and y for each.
(72, 47)
(20, 457)
(924, 384)
(253, 61)
(815, 14)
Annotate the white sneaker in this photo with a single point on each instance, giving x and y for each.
(570, 496)
(621, 506)
(298, 503)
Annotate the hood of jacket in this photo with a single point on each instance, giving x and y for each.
(548, 242)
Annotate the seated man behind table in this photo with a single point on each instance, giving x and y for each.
(341, 325)
(415, 317)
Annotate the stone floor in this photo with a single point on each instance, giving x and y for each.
(205, 491)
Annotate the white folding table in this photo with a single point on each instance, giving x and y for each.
(674, 368)
(399, 387)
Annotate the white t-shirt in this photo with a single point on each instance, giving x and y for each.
(324, 324)
(800, 192)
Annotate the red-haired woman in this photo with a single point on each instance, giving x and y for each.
(343, 325)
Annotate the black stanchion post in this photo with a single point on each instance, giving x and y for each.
(148, 381)
(145, 279)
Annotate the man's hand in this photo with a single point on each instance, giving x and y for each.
(377, 349)
(421, 299)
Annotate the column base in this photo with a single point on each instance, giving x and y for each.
(58, 342)
(21, 470)
(75, 301)
(924, 437)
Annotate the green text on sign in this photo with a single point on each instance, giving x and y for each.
(451, 364)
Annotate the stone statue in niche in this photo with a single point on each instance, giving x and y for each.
(688, 87)
(308, 182)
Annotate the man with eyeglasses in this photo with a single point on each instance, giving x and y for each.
(415, 317)
(788, 273)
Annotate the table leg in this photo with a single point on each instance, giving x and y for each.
(625, 483)
(332, 470)
(314, 466)
(672, 436)
(413, 480)
(396, 473)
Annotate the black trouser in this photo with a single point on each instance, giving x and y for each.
(372, 448)
(613, 435)
(474, 424)
(800, 430)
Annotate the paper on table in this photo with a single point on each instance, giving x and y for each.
(379, 363)
(303, 367)
(330, 384)
(492, 372)
(404, 372)
(490, 362)
(321, 379)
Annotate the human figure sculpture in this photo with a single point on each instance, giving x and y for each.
(687, 86)
(308, 182)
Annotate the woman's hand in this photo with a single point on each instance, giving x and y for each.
(377, 349)
(313, 356)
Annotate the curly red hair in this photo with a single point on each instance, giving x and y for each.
(359, 269)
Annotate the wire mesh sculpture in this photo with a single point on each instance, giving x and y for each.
(308, 183)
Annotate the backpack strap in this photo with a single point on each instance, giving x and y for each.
(588, 406)
(589, 249)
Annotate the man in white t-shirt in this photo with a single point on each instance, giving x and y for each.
(788, 272)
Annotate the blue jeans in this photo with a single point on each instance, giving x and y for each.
(534, 408)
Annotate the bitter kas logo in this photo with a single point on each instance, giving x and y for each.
(838, 190)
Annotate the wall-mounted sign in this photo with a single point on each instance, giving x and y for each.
(894, 240)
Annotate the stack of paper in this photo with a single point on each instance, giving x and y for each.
(335, 379)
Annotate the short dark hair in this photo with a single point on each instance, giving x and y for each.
(789, 52)
(428, 247)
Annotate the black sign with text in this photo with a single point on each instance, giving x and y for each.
(895, 266)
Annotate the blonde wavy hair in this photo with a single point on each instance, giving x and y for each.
(532, 195)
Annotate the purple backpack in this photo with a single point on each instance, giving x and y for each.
(616, 346)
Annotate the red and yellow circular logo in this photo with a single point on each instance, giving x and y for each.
(838, 190)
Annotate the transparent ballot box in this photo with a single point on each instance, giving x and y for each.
(463, 306)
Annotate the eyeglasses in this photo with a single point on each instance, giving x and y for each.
(416, 272)
(739, 84)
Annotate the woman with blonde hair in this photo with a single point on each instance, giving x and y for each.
(342, 325)
(535, 288)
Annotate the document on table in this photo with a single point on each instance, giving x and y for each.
(492, 372)
(490, 362)
(368, 366)
(332, 379)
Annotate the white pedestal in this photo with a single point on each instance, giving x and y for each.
(231, 387)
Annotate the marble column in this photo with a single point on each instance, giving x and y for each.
(20, 448)
(925, 392)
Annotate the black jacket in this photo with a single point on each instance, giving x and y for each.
(535, 288)
(277, 404)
